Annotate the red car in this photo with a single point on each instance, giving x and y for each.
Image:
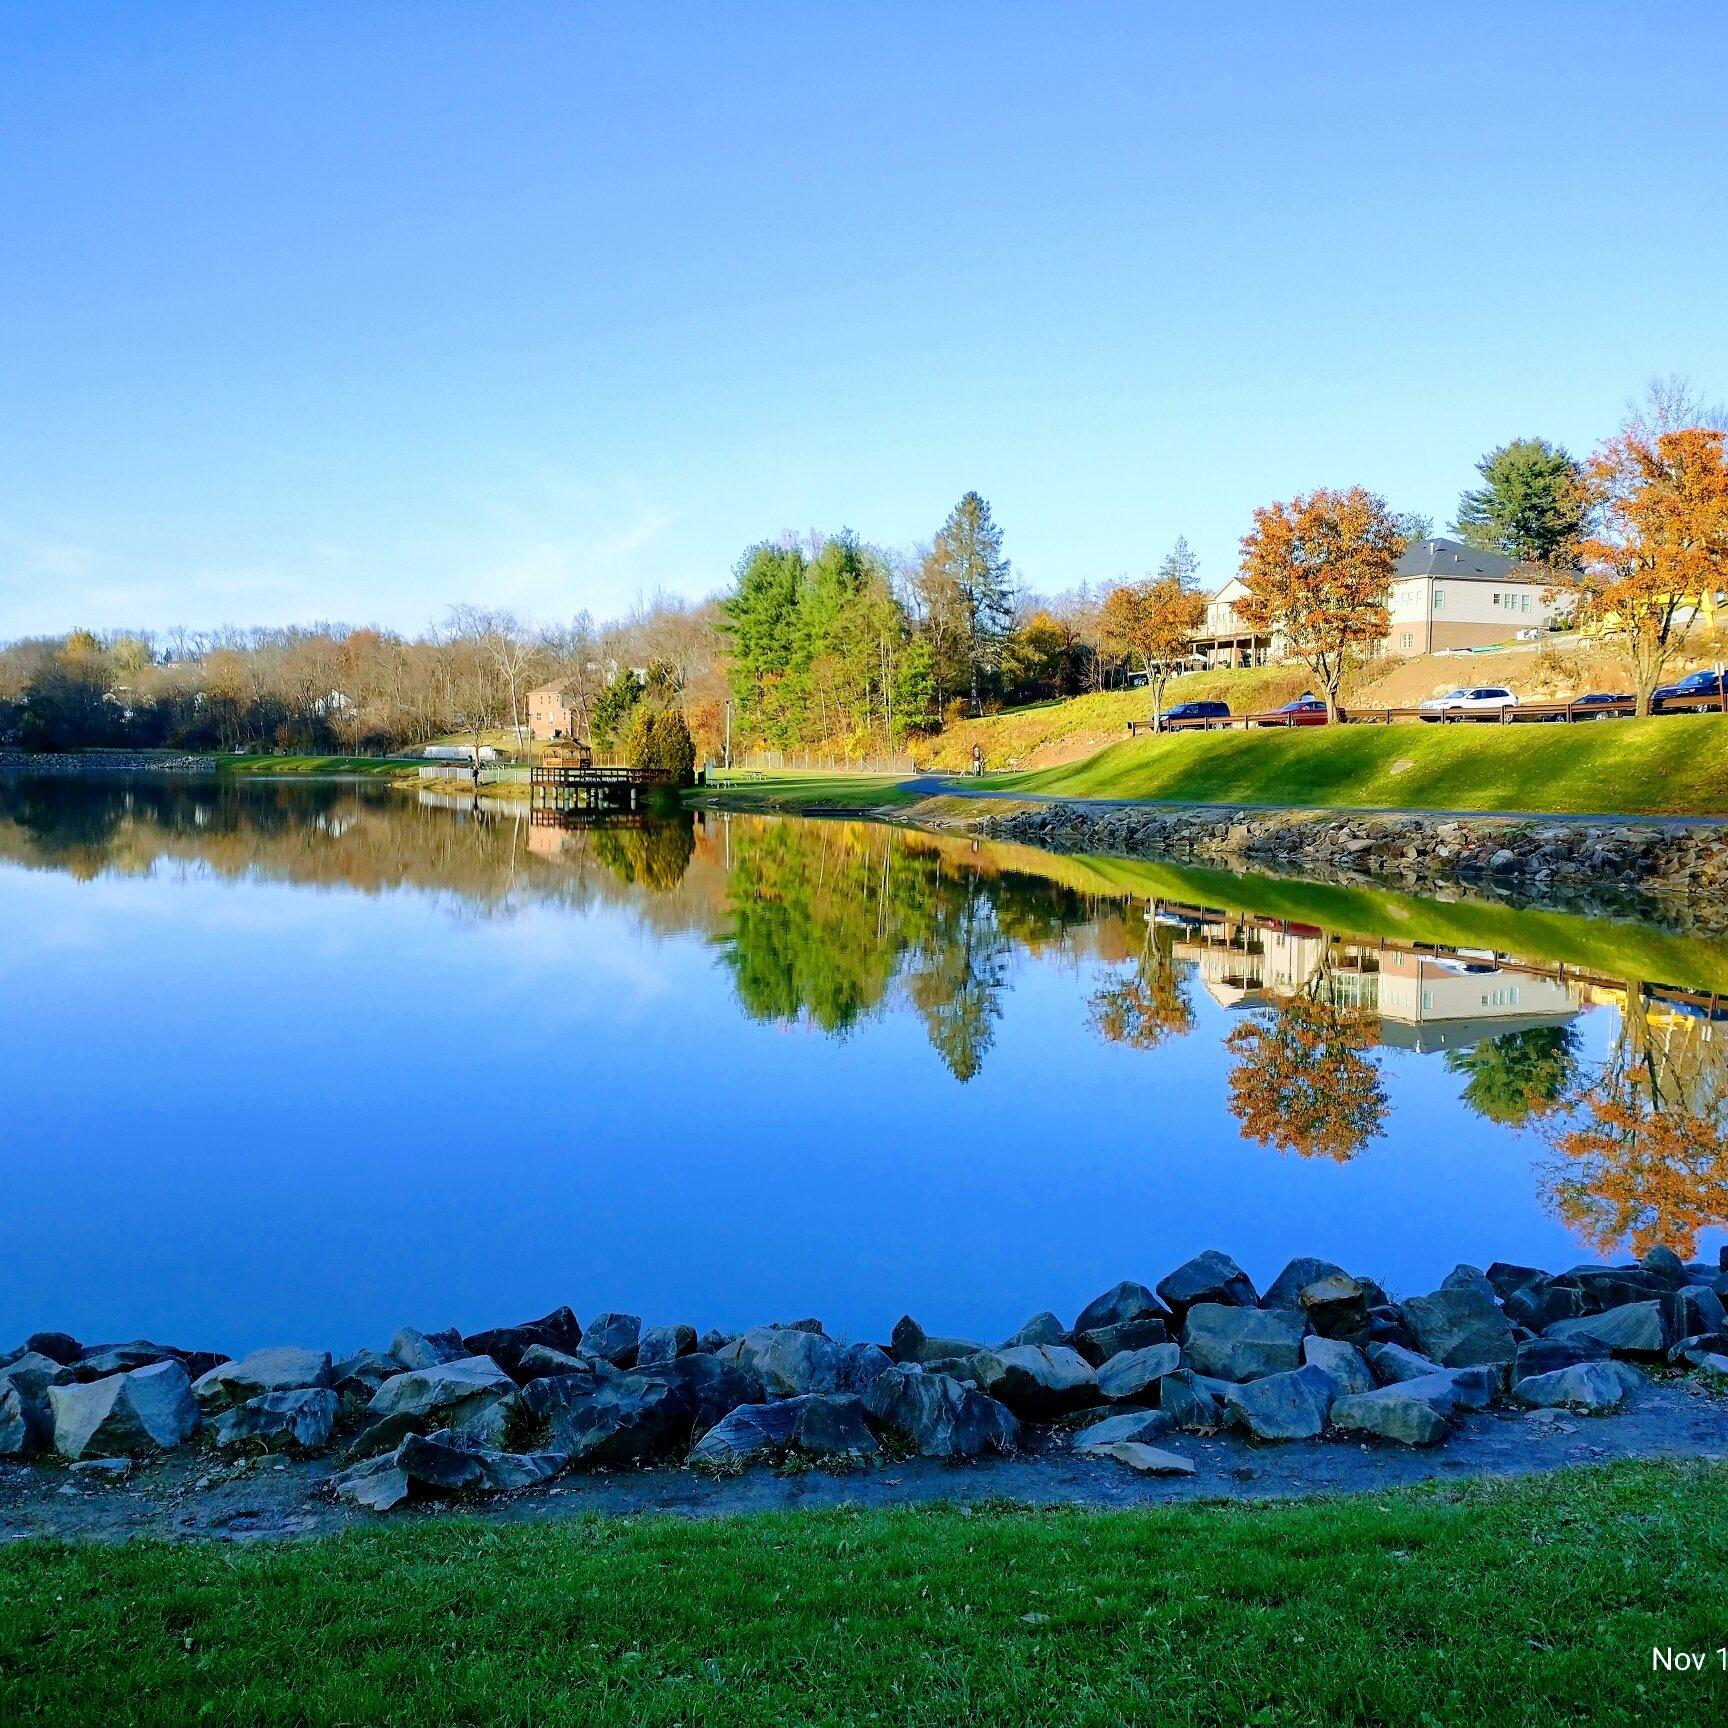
(1306, 710)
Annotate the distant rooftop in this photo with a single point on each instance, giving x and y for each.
(1438, 557)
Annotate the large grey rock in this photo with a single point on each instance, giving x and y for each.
(1287, 1287)
(1688, 1312)
(428, 1349)
(59, 1347)
(1042, 1328)
(665, 1344)
(1540, 1303)
(506, 1345)
(1411, 1412)
(538, 1362)
(1037, 1380)
(789, 1363)
(911, 1343)
(1336, 1307)
(616, 1337)
(1392, 1363)
(710, 1388)
(1342, 1362)
(1665, 1265)
(628, 1420)
(1466, 1277)
(1135, 1425)
(859, 1365)
(1210, 1277)
(24, 1423)
(280, 1368)
(821, 1425)
(360, 1375)
(1099, 1345)
(1118, 1305)
(1289, 1406)
(304, 1417)
(102, 1360)
(1505, 1277)
(1241, 1343)
(33, 1373)
(1190, 1402)
(1146, 1460)
(1591, 1387)
(939, 1417)
(1460, 1326)
(145, 1409)
(440, 1387)
(444, 1463)
(1635, 1330)
(1135, 1376)
(1546, 1355)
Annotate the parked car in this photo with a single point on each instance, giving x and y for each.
(1193, 711)
(1307, 710)
(1687, 689)
(1481, 699)
(1599, 699)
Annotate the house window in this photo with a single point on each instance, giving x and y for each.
(1526, 605)
(1406, 639)
(1439, 599)
(1496, 599)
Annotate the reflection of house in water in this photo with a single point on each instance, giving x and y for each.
(1424, 1001)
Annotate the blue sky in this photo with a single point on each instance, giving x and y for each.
(354, 311)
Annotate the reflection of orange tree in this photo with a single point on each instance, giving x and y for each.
(1149, 1002)
(1303, 1080)
(1642, 1154)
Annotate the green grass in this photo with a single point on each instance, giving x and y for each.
(1531, 1602)
(1673, 766)
(813, 791)
(385, 767)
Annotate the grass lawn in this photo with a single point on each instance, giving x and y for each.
(794, 791)
(385, 767)
(1533, 1602)
(1673, 766)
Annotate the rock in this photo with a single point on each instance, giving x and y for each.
(1386, 1326)
(1290, 1406)
(859, 1365)
(59, 1347)
(1242, 1343)
(1190, 1403)
(1692, 1310)
(665, 1344)
(506, 1345)
(1135, 1425)
(24, 1422)
(441, 1387)
(1337, 1307)
(627, 1420)
(360, 1375)
(712, 1388)
(1459, 1326)
(938, 1417)
(615, 1337)
(789, 1363)
(1546, 1355)
(1540, 1304)
(304, 1417)
(1287, 1287)
(1042, 1328)
(1466, 1277)
(102, 1360)
(1037, 1380)
(1392, 1364)
(1665, 1265)
(1342, 1362)
(821, 1425)
(1405, 1411)
(1118, 1305)
(1635, 1330)
(33, 1373)
(1147, 1460)
(538, 1362)
(1610, 1286)
(911, 1343)
(442, 1462)
(281, 1368)
(1135, 1375)
(141, 1410)
(427, 1349)
(1099, 1345)
(1591, 1387)
(1505, 1278)
(1210, 1277)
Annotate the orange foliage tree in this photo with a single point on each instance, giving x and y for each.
(1303, 1080)
(1153, 622)
(1147, 1004)
(1661, 542)
(1319, 573)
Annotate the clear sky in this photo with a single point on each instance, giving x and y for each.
(353, 311)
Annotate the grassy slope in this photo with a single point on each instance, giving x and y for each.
(381, 766)
(814, 791)
(1675, 766)
(1535, 1602)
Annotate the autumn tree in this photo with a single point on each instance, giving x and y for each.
(1153, 622)
(1532, 505)
(1318, 571)
(1147, 1003)
(1660, 544)
(967, 575)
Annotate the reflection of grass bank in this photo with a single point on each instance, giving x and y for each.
(379, 767)
(813, 791)
(1536, 1600)
(1674, 766)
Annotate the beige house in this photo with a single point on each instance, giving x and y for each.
(550, 714)
(1224, 640)
(1448, 595)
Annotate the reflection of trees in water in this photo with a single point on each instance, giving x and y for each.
(1302, 1079)
(1641, 1147)
(1148, 1001)
(1519, 1075)
(654, 855)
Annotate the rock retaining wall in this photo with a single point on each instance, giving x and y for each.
(104, 762)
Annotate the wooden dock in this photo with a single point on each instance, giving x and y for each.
(556, 787)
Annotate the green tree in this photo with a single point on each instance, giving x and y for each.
(761, 619)
(614, 708)
(1518, 1075)
(1533, 504)
(1180, 565)
(970, 570)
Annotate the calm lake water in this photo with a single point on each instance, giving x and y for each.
(311, 1062)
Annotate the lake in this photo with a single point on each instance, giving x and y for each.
(311, 1061)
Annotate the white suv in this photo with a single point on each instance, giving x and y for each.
(1483, 699)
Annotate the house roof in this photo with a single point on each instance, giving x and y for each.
(1453, 559)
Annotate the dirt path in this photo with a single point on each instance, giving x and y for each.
(193, 1494)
